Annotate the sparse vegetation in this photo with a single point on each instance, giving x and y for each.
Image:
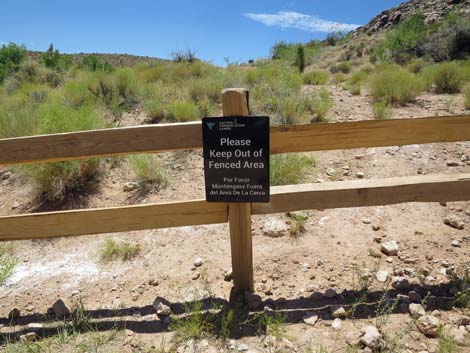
(444, 77)
(395, 85)
(316, 77)
(466, 93)
(381, 110)
(288, 169)
(147, 169)
(296, 223)
(7, 261)
(124, 250)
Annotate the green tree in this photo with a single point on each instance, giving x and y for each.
(51, 58)
(11, 56)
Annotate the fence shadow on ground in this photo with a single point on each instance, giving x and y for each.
(359, 304)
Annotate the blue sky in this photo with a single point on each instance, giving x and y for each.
(215, 29)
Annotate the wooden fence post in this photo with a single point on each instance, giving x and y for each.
(235, 103)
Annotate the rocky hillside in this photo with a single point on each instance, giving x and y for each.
(433, 10)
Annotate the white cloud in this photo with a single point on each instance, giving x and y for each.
(288, 19)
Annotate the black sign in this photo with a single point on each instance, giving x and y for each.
(236, 159)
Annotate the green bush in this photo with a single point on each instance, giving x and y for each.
(416, 66)
(335, 37)
(76, 93)
(147, 169)
(11, 56)
(124, 250)
(209, 87)
(182, 111)
(316, 77)
(400, 43)
(17, 117)
(381, 110)
(344, 67)
(287, 169)
(7, 262)
(445, 77)
(155, 110)
(355, 89)
(339, 78)
(92, 63)
(395, 86)
(358, 77)
(288, 52)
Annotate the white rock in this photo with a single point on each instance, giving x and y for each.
(336, 324)
(161, 308)
(130, 186)
(371, 337)
(338, 312)
(382, 276)
(360, 175)
(390, 248)
(274, 227)
(310, 318)
(455, 244)
(29, 337)
(454, 221)
(417, 310)
(198, 262)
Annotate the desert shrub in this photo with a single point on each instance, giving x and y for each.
(291, 110)
(155, 110)
(335, 37)
(251, 76)
(320, 105)
(445, 77)
(182, 111)
(395, 86)
(344, 67)
(60, 181)
(205, 107)
(209, 87)
(123, 250)
(355, 89)
(416, 66)
(52, 59)
(381, 110)
(17, 117)
(76, 93)
(286, 169)
(11, 56)
(289, 51)
(188, 56)
(358, 77)
(400, 43)
(466, 93)
(7, 261)
(339, 78)
(147, 169)
(316, 77)
(56, 182)
(126, 85)
(93, 63)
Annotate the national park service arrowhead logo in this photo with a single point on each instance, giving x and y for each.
(210, 125)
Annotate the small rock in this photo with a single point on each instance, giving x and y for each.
(6, 175)
(330, 293)
(242, 347)
(336, 324)
(198, 262)
(371, 337)
(253, 300)
(452, 163)
(29, 337)
(400, 283)
(228, 275)
(196, 276)
(459, 335)
(390, 248)
(455, 243)
(338, 312)
(403, 299)
(428, 325)
(60, 308)
(35, 326)
(360, 175)
(454, 221)
(416, 310)
(310, 318)
(130, 186)
(382, 276)
(161, 307)
(376, 227)
(274, 227)
(353, 338)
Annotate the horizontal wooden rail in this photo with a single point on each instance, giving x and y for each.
(362, 193)
(113, 219)
(187, 136)
(357, 193)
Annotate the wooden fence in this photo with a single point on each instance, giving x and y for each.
(284, 139)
